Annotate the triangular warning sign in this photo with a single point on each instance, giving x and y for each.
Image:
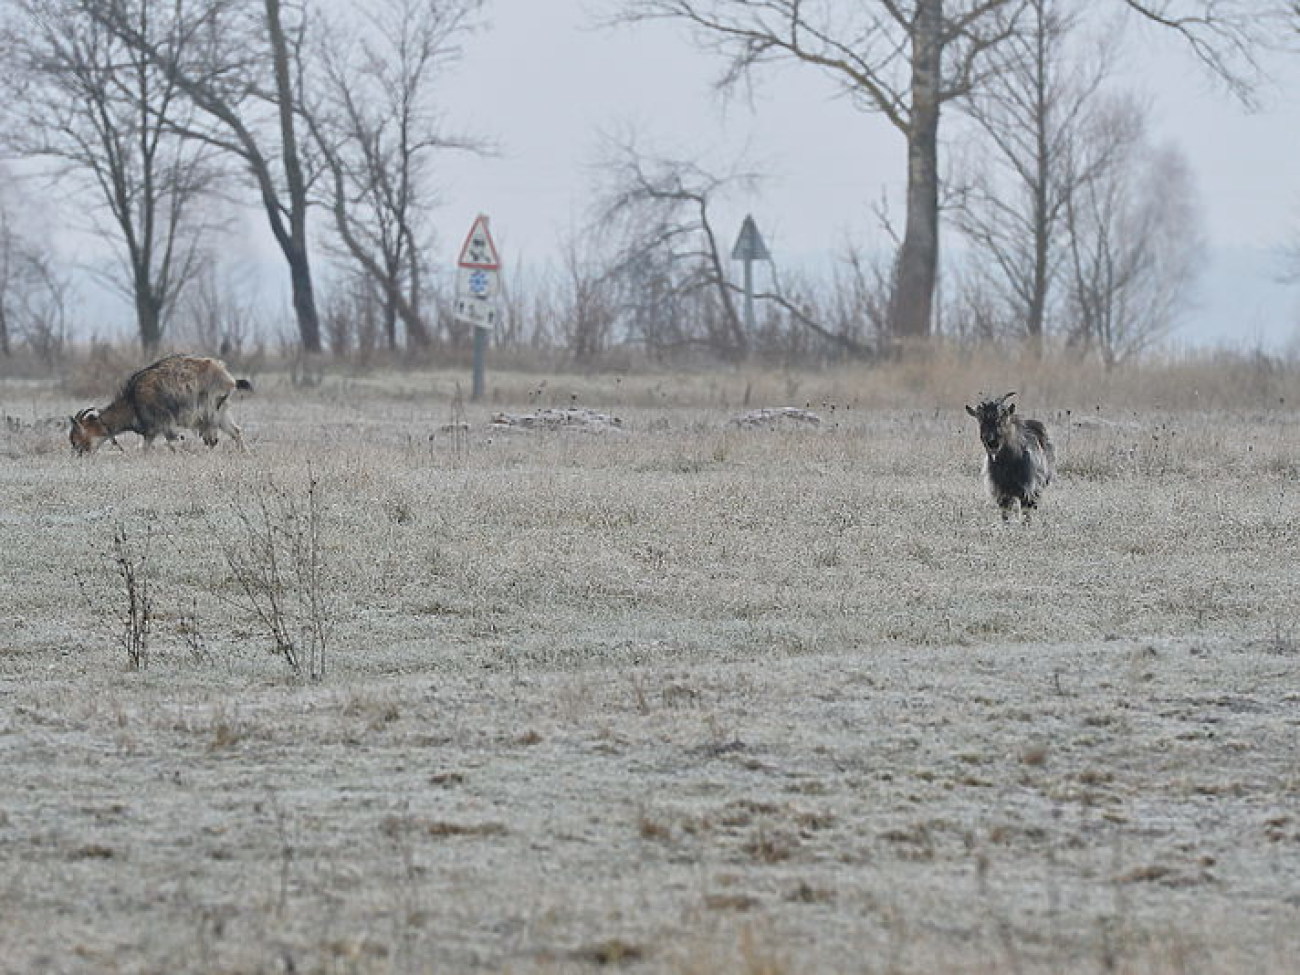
(479, 252)
(749, 244)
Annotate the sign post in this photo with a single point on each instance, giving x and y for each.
(748, 249)
(478, 272)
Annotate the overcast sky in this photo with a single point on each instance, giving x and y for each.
(543, 83)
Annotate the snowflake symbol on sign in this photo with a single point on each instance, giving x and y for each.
(478, 284)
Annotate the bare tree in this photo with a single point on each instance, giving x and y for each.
(99, 112)
(535, 306)
(43, 308)
(240, 65)
(1133, 237)
(588, 313)
(1290, 255)
(1012, 205)
(667, 254)
(217, 312)
(1226, 36)
(353, 313)
(10, 255)
(378, 132)
(34, 293)
(903, 60)
(844, 316)
(907, 59)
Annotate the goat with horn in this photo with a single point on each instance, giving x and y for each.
(179, 392)
(1019, 459)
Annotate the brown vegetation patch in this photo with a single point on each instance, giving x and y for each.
(732, 902)
(92, 851)
(396, 826)
(615, 951)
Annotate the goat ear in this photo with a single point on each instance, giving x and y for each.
(971, 411)
(1011, 409)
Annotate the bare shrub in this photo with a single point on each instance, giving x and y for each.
(457, 429)
(34, 294)
(192, 633)
(845, 317)
(101, 372)
(352, 321)
(219, 313)
(1134, 241)
(132, 563)
(130, 608)
(667, 284)
(277, 563)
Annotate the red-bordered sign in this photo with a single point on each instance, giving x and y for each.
(479, 253)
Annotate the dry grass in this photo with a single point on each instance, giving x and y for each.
(681, 698)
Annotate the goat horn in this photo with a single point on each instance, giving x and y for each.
(1007, 396)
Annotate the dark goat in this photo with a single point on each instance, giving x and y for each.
(1019, 459)
(175, 393)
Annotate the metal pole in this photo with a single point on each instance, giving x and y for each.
(480, 355)
(749, 297)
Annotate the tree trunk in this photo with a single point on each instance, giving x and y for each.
(390, 323)
(295, 246)
(733, 345)
(148, 318)
(304, 296)
(916, 269)
(1036, 310)
(417, 335)
(1036, 313)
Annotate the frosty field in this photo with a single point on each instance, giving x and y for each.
(674, 696)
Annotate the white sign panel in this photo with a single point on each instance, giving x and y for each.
(478, 277)
(478, 312)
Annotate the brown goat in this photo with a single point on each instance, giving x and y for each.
(179, 392)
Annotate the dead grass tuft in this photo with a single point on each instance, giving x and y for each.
(395, 827)
(806, 893)
(226, 734)
(732, 902)
(92, 851)
(652, 829)
(771, 845)
(614, 951)
(1034, 756)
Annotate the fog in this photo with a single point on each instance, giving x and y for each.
(548, 86)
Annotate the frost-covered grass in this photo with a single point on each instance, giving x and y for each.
(680, 698)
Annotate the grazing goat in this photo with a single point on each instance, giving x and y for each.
(1019, 459)
(175, 393)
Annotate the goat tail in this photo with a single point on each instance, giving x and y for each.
(243, 384)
